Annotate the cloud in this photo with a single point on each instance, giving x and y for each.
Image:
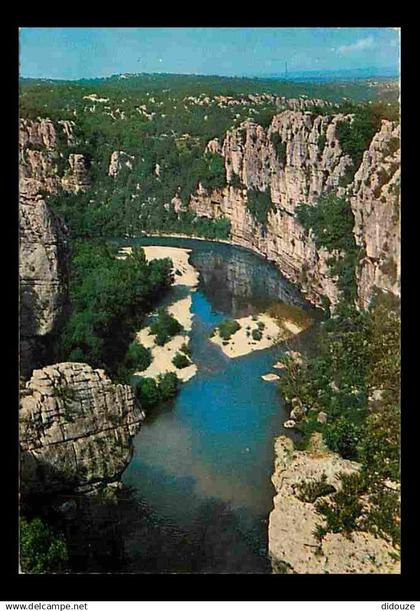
(360, 45)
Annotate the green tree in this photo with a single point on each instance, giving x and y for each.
(42, 550)
(227, 328)
(147, 392)
(331, 221)
(180, 361)
(138, 358)
(164, 327)
(168, 385)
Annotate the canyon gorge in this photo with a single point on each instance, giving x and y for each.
(76, 424)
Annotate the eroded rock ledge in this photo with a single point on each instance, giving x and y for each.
(75, 429)
(293, 547)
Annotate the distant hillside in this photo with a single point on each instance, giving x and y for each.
(357, 90)
(336, 75)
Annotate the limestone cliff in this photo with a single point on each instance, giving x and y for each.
(75, 429)
(297, 159)
(76, 178)
(293, 547)
(44, 157)
(43, 277)
(374, 197)
(43, 243)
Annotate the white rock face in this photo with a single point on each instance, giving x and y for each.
(118, 161)
(307, 163)
(43, 244)
(39, 156)
(77, 179)
(375, 201)
(43, 277)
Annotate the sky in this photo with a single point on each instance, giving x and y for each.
(73, 53)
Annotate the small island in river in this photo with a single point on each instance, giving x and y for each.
(185, 282)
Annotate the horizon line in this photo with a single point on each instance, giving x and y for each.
(376, 71)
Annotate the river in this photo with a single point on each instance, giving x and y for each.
(197, 493)
(202, 464)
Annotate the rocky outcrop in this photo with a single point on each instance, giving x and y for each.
(118, 161)
(43, 275)
(43, 243)
(241, 279)
(374, 198)
(77, 178)
(75, 429)
(297, 159)
(38, 157)
(42, 160)
(293, 547)
(38, 133)
(177, 204)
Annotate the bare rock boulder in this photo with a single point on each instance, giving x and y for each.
(75, 429)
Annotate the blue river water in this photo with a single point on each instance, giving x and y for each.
(202, 465)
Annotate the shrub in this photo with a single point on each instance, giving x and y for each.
(347, 177)
(343, 436)
(259, 204)
(42, 550)
(236, 182)
(66, 393)
(265, 116)
(186, 349)
(164, 327)
(227, 328)
(279, 147)
(393, 145)
(256, 335)
(322, 140)
(331, 221)
(310, 491)
(213, 171)
(168, 385)
(181, 361)
(355, 136)
(147, 391)
(343, 511)
(138, 358)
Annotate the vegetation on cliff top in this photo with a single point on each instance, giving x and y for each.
(356, 135)
(166, 130)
